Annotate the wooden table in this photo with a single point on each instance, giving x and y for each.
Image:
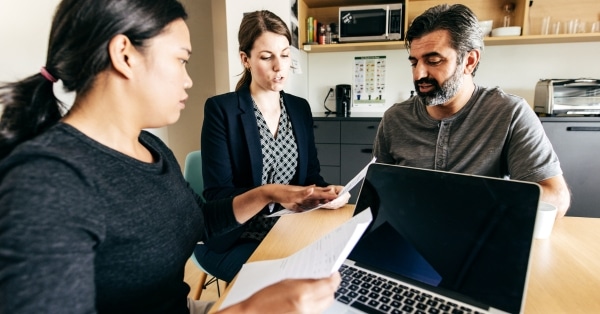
(564, 271)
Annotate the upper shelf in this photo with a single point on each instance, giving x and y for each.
(489, 41)
(339, 3)
(526, 15)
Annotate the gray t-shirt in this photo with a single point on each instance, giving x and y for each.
(85, 229)
(495, 134)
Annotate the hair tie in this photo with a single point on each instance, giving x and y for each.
(47, 75)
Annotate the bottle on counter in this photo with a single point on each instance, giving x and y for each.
(334, 34)
(328, 34)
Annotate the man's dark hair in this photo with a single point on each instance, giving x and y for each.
(460, 22)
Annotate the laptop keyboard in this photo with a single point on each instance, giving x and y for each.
(374, 294)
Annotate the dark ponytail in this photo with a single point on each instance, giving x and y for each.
(77, 53)
(244, 80)
(30, 108)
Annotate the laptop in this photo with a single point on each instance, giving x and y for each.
(439, 242)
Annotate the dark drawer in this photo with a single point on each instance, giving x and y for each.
(354, 158)
(331, 174)
(328, 154)
(327, 131)
(359, 132)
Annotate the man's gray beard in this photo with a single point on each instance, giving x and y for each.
(447, 90)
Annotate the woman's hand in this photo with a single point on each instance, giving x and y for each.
(340, 201)
(298, 198)
(291, 296)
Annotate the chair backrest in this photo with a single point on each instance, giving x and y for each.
(192, 171)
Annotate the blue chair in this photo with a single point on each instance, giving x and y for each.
(192, 171)
(193, 175)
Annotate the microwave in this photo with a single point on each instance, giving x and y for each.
(378, 22)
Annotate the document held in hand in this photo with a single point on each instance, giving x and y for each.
(349, 186)
(318, 260)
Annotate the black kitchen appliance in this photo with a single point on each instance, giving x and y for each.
(372, 22)
(343, 100)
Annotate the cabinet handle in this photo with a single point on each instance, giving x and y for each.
(583, 128)
(371, 127)
(367, 150)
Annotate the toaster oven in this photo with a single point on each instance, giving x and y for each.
(567, 97)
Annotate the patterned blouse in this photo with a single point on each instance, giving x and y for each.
(280, 161)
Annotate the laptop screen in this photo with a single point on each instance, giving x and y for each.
(467, 237)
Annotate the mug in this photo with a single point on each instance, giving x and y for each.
(544, 220)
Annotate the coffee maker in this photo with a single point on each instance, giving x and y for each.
(343, 100)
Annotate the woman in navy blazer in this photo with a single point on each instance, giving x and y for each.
(256, 135)
(232, 161)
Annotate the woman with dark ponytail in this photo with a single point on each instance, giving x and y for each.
(95, 215)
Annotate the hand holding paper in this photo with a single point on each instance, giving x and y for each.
(338, 202)
(345, 193)
(318, 260)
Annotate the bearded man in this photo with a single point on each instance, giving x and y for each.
(454, 125)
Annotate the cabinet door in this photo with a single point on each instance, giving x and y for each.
(327, 139)
(577, 145)
(359, 132)
(331, 175)
(354, 158)
(328, 154)
(326, 131)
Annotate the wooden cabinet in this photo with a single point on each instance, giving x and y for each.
(527, 13)
(344, 147)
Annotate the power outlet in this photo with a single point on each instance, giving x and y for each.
(330, 100)
(331, 97)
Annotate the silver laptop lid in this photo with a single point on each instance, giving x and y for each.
(467, 237)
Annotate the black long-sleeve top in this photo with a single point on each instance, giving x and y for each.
(84, 228)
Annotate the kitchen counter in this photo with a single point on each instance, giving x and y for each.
(353, 115)
(379, 115)
(570, 119)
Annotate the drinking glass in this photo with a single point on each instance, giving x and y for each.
(581, 27)
(595, 27)
(545, 25)
(556, 28)
(572, 26)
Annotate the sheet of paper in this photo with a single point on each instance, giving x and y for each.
(349, 186)
(318, 260)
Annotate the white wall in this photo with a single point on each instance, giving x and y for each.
(24, 31)
(25, 26)
(516, 69)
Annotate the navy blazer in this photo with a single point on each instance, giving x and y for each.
(231, 153)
